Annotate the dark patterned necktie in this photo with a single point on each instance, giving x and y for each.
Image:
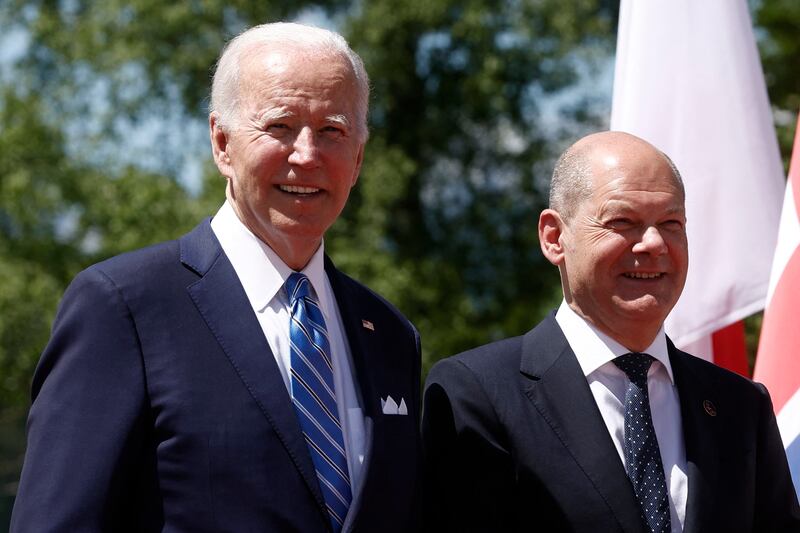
(642, 455)
(314, 397)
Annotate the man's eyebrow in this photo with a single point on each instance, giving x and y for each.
(339, 119)
(622, 207)
(275, 113)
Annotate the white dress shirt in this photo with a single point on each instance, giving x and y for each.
(263, 274)
(595, 352)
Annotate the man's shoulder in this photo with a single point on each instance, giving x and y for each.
(702, 367)
(712, 376)
(493, 362)
(153, 263)
(501, 357)
(148, 257)
(489, 355)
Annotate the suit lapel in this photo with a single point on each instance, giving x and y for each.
(357, 339)
(701, 442)
(364, 380)
(559, 390)
(223, 304)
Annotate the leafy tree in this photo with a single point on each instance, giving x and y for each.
(444, 221)
(779, 21)
(57, 217)
(35, 187)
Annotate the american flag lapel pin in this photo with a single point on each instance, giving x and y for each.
(367, 325)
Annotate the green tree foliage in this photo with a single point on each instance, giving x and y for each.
(36, 184)
(780, 56)
(444, 220)
(57, 217)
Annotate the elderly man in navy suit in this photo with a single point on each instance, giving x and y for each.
(593, 421)
(234, 379)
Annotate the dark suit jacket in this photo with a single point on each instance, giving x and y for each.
(158, 406)
(514, 441)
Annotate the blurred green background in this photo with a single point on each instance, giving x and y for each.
(103, 148)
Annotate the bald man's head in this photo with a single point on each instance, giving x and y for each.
(572, 181)
(617, 232)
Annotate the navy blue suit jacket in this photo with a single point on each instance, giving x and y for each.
(158, 406)
(514, 441)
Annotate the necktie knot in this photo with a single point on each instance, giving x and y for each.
(297, 286)
(635, 365)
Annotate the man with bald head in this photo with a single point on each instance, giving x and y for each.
(234, 379)
(593, 421)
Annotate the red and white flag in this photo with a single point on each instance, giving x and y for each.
(778, 361)
(688, 79)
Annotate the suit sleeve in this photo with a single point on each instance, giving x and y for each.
(776, 506)
(86, 425)
(468, 474)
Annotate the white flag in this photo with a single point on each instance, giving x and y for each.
(688, 79)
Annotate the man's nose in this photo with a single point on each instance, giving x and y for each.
(651, 242)
(305, 152)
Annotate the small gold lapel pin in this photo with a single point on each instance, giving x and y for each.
(368, 325)
(710, 408)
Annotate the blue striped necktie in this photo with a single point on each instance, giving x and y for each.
(642, 454)
(314, 397)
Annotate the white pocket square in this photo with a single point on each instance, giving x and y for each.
(390, 407)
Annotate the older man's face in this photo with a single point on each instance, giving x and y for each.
(625, 250)
(295, 151)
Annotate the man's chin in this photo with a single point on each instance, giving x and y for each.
(646, 308)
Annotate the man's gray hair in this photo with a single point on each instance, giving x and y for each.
(572, 180)
(571, 183)
(225, 86)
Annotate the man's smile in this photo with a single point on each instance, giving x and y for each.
(296, 189)
(643, 275)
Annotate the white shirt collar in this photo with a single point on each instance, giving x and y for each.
(261, 271)
(594, 348)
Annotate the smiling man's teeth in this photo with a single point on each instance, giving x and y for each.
(643, 275)
(298, 190)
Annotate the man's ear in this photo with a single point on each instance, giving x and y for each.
(551, 228)
(219, 145)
